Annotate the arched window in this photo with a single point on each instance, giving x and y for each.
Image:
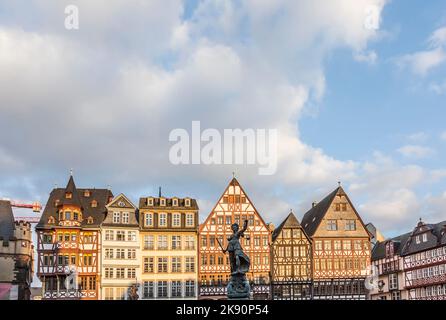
(90, 220)
(94, 204)
(51, 220)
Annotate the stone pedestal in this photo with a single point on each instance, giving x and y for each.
(238, 287)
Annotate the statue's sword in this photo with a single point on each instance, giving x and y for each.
(219, 243)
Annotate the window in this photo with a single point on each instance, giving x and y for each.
(257, 241)
(162, 289)
(87, 260)
(108, 273)
(176, 242)
(176, 289)
(162, 202)
(148, 291)
(86, 193)
(131, 273)
(109, 235)
(108, 294)
(417, 239)
(176, 264)
(67, 215)
(327, 245)
(51, 220)
(148, 265)
(120, 273)
(424, 237)
(94, 204)
(150, 201)
(120, 235)
(189, 243)
(66, 237)
(204, 241)
(131, 235)
(108, 253)
(116, 217)
(120, 253)
(176, 220)
(318, 245)
(174, 202)
(90, 220)
(337, 245)
(393, 281)
(220, 220)
(332, 225)
(120, 293)
(190, 264)
(125, 217)
(337, 207)
(228, 220)
(187, 202)
(148, 220)
(162, 243)
(190, 288)
(47, 238)
(75, 216)
(347, 244)
(350, 225)
(131, 254)
(190, 220)
(148, 242)
(68, 195)
(162, 220)
(162, 264)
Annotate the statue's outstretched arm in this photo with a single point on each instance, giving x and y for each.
(245, 226)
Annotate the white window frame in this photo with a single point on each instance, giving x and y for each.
(125, 218)
(162, 219)
(148, 219)
(176, 219)
(190, 217)
(116, 217)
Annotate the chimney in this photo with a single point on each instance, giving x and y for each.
(159, 193)
(314, 204)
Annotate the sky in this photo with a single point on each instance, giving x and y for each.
(352, 103)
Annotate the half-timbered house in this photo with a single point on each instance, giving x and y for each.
(341, 247)
(291, 271)
(389, 281)
(68, 242)
(234, 206)
(424, 262)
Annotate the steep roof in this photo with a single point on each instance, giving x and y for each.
(83, 199)
(6, 220)
(379, 250)
(289, 222)
(75, 199)
(313, 217)
(436, 235)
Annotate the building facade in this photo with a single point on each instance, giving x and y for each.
(69, 242)
(291, 269)
(168, 240)
(234, 206)
(387, 264)
(424, 262)
(16, 255)
(341, 247)
(120, 254)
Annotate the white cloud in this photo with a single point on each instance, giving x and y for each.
(368, 57)
(415, 151)
(423, 62)
(443, 135)
(418, 136)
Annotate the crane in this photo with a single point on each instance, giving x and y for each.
(35, 207)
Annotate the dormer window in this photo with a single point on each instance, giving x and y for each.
(56, 203)
(424, 237)
(417, 239)
(67, 215)
(150, 201)
(94, 204)
(90, 220)
(75, 216)
(162, 202)
(389, 249)
(68, 195)
(174, 202)
(51, 220)
(87, 193)
(187, 202)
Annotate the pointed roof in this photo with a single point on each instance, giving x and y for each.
(234, 182)
(289, 222)
(6, 220)
(313, 217)
(75, 198)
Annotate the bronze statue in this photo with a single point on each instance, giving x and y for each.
(133, 292)
(238, 286)
(239, 261)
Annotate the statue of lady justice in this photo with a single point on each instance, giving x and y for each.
(238, 286)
